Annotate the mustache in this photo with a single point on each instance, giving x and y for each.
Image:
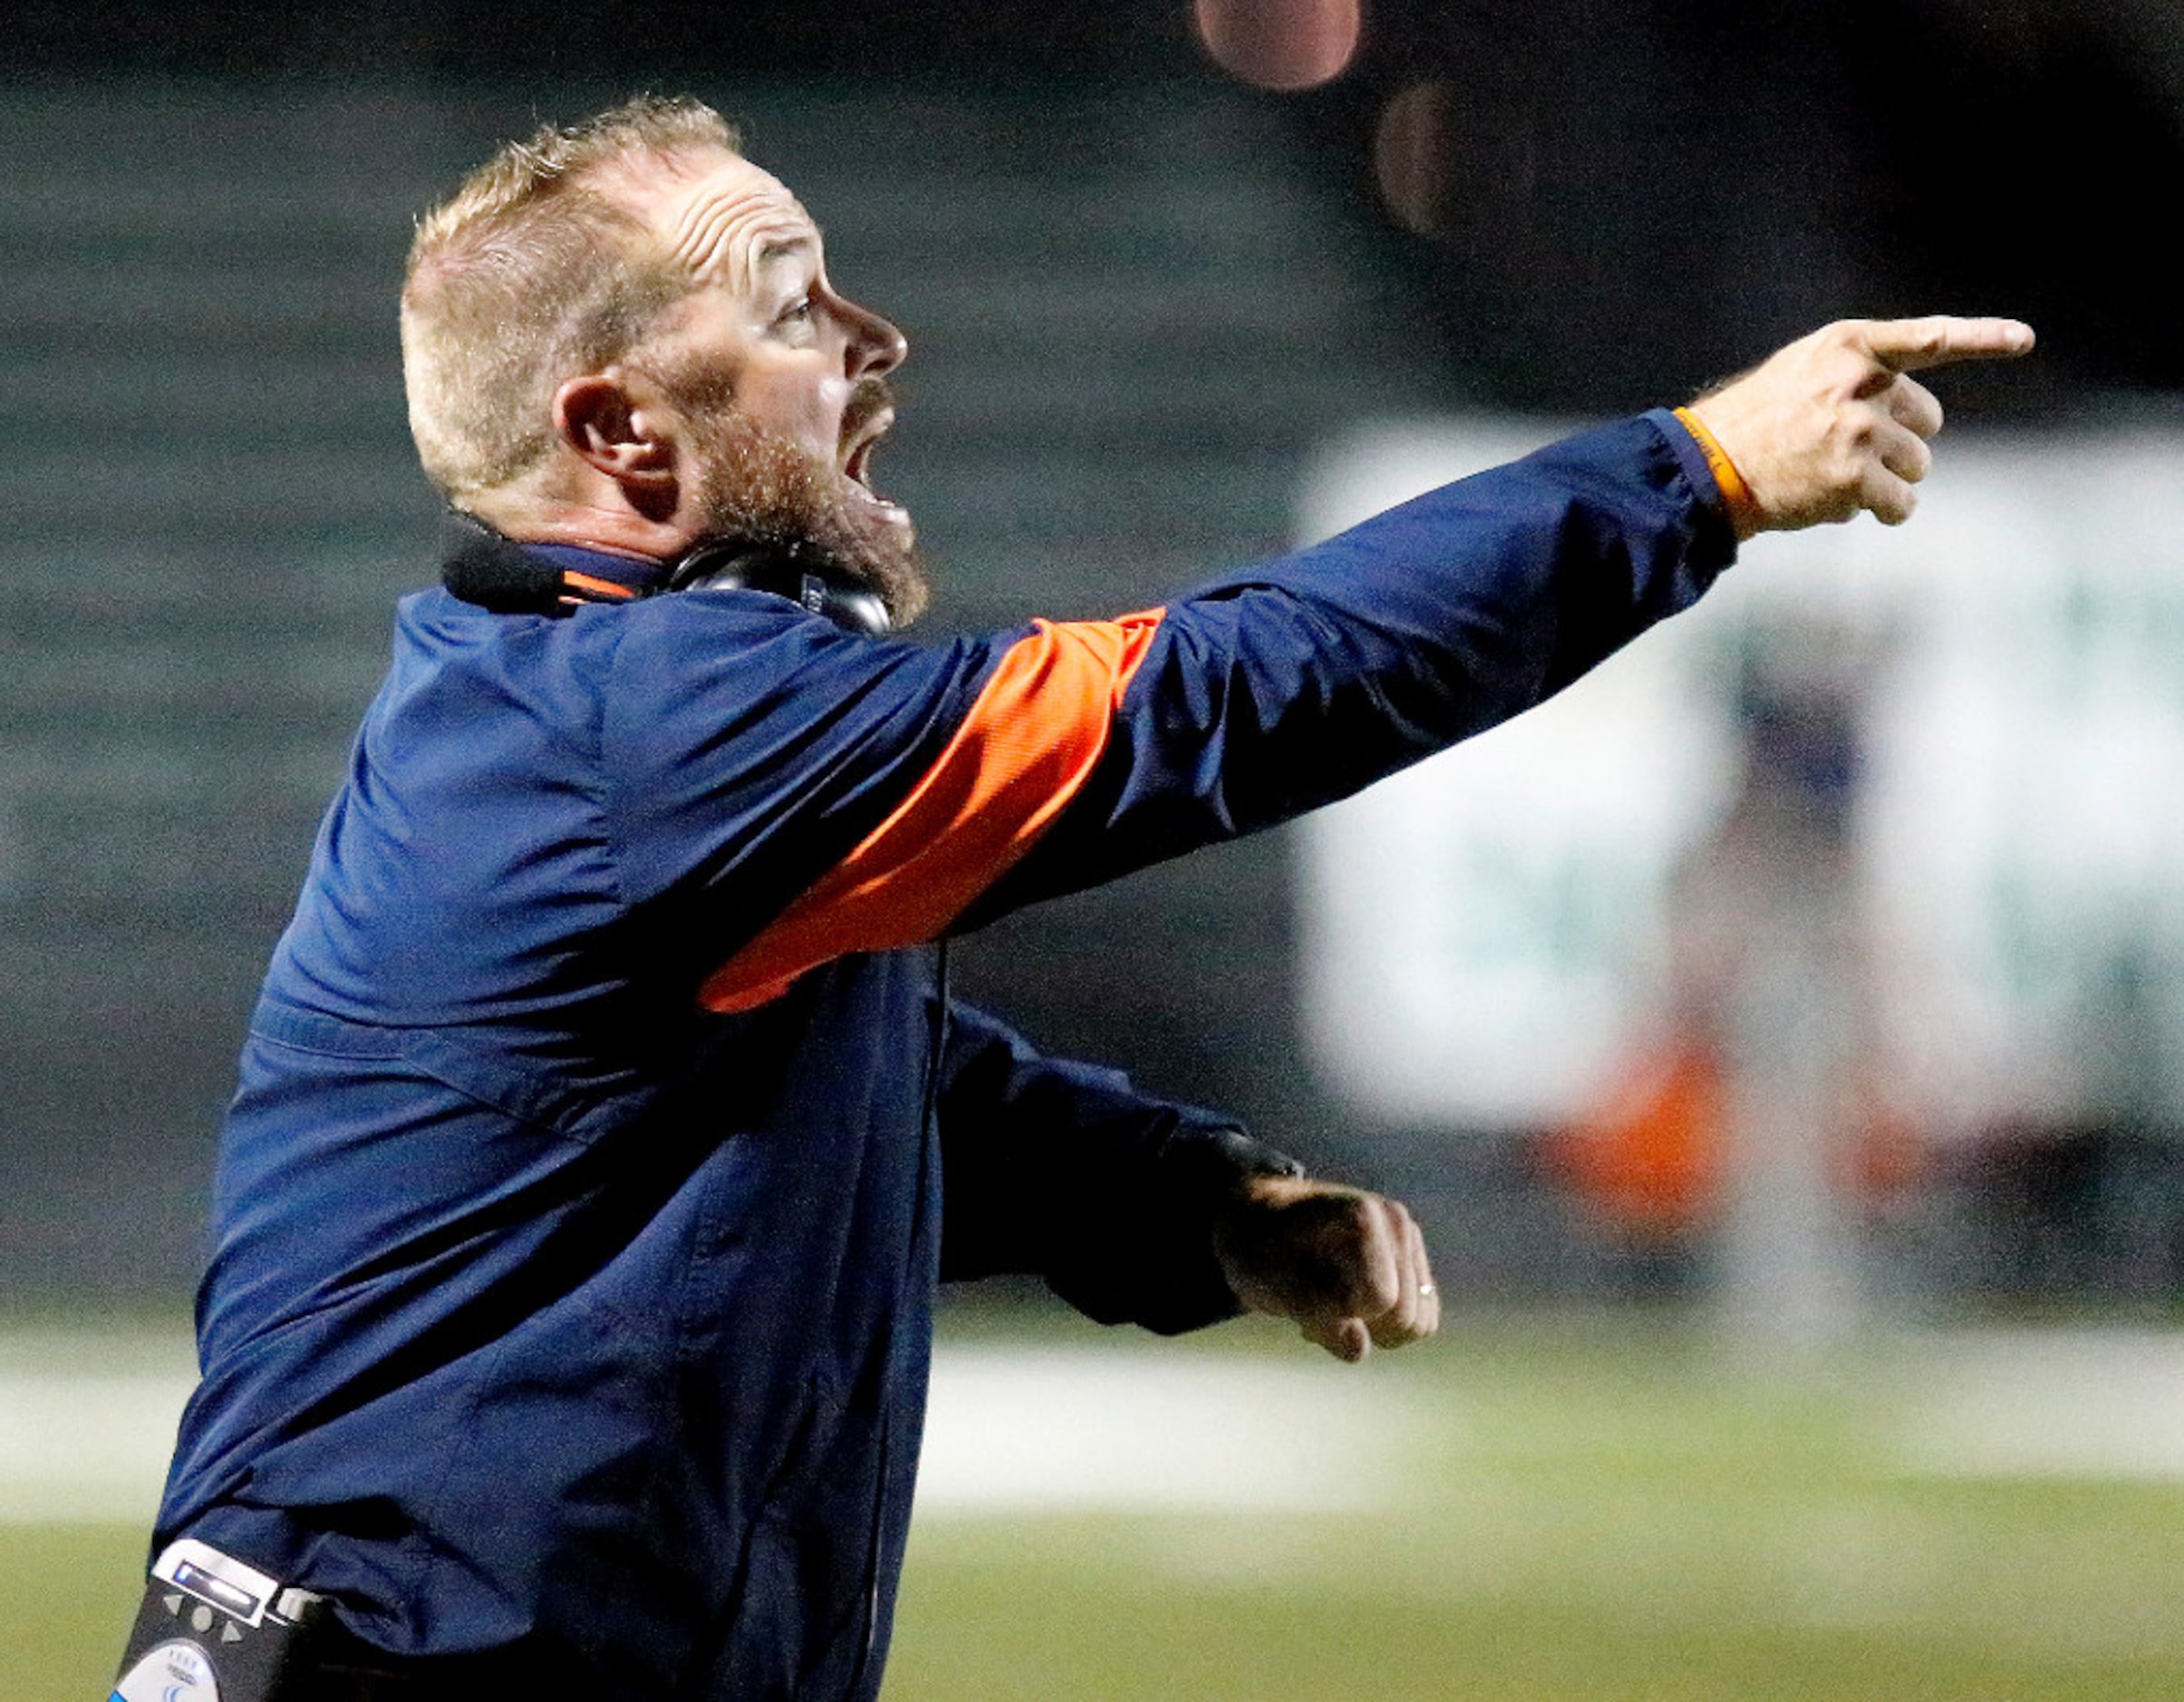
(871, 397)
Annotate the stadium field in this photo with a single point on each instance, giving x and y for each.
(1522, 1510)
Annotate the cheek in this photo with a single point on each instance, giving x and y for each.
(800, 404)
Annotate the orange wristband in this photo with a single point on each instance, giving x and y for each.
(1736, 494)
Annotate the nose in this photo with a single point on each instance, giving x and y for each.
(875, 345)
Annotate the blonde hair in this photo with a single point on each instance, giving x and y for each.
(530, 274)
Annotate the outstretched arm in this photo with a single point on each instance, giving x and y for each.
(878, 795)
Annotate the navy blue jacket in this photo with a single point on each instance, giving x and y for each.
(605, 1125)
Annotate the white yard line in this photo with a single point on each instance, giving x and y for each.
(2085, 1403)
(87, 1421)
(86, 1425)
(1143, 1429)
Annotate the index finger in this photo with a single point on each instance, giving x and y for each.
(1906, 345)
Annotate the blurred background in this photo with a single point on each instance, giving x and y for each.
(1777, 1034)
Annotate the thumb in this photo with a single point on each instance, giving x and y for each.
(1347, 1338)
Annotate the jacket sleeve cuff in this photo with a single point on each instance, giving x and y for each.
(1721, 486)
(1175, 1282)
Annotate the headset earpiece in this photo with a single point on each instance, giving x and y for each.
(730, 564)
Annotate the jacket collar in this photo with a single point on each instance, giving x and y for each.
(479, 565)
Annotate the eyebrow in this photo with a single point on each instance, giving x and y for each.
(786, 248)
(802, 252)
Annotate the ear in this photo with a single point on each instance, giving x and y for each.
(613, 433)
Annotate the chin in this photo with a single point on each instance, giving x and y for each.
(759, 486)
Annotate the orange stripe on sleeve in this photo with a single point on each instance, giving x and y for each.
(1032, 739)
(1736, 494)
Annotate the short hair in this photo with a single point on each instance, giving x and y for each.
(529, 273)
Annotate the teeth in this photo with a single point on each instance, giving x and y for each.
(894, 513)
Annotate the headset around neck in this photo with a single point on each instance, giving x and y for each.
(483, 567)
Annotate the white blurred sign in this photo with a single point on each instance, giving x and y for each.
(1486, 934)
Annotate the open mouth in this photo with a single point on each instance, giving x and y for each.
(856, 468)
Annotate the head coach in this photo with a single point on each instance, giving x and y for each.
(605, 1125)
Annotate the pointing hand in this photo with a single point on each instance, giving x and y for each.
(1835, 424)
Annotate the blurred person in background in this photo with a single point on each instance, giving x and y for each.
(605, 1124)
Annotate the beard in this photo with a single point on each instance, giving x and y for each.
(752, 483)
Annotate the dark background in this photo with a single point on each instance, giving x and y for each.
(1138, 292)
(1630, 186)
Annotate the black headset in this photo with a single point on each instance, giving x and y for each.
(482, 567)
(735, 565)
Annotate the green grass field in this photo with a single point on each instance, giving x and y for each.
(1595, 1512)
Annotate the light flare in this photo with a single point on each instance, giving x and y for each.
(1410, 154)
(1285, 45)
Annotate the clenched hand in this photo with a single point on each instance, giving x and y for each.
(1833, 424)
(1348, 1266)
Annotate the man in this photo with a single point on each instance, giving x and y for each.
(605, 1124)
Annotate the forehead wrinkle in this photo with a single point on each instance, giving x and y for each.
(739, 231)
